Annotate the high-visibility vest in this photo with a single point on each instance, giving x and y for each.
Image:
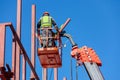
(46, 21)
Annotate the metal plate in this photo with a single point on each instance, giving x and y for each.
(49, 57)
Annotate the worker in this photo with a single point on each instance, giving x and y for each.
(46, 21)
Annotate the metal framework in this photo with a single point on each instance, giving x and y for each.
(18, 52)
(2, 44)
(2, 26)
(89, 59)
(33, 42)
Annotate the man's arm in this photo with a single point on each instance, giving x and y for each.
(54, 24)
(38, 27)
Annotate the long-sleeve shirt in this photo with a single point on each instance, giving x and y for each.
(39, 23)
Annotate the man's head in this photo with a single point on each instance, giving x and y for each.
(46, 14)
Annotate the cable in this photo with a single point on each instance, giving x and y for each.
(71, 73)
(60, 52)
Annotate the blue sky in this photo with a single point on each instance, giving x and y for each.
(95, 23)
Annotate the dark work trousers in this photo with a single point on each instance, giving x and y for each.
(47, 36)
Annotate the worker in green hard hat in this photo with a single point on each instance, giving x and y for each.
(46, 21)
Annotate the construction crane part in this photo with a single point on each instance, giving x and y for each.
(85, 54)
(93, 71)
(49, 57)
(90, 60)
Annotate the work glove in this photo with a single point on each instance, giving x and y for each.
(63, 32)
(56, 27)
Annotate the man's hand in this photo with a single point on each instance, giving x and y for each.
(56, 28)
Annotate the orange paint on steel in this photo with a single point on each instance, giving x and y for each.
(49, 57)
(94, 56)
(86, 54)
(33, 42)
(2, 44)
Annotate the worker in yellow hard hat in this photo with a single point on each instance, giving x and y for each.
(46, 21)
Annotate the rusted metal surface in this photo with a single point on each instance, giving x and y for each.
(2, 44)
(23, 68)
(49, 57)
(22, 48)
(33, 51)
(19, 3)
(64, 25)
(2, 77)
(44, 74)
(13, 56)
(6, 72)
(24, 52)
(55, 74)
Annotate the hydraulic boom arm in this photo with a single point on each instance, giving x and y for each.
(88, 57)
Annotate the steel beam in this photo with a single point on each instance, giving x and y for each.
(23, 68)
(13, 56)
(64, 25)
(19, 3)
(22, 48)
(33, 42)
(2, 44)
(93, 71)
(55, 74)
(44, 76)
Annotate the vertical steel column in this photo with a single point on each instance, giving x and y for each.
(55, 74)
(23, 65)
(33, 52)
(23, 50)
(64, 78)
(17, 74)
(13, 56)
(23, 60)
(23, 68)
(44, 74)
(2, 44)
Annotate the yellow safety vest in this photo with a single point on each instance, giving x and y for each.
(46, 21)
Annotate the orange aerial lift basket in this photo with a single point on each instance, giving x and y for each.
(50, 56)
